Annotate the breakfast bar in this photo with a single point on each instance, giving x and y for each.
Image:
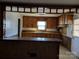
(30, 48)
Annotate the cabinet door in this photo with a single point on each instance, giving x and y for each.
(69, 19)
(65, 19)
(61, 19)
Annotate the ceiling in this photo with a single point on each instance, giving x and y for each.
(61, 2)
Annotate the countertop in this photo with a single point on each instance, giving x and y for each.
(33, 39)
(53, 32)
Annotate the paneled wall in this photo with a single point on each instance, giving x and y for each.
(31, 22)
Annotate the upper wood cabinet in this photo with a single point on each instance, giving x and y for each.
(65, 19)
(69, 19)
(61, 19)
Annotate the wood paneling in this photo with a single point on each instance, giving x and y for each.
(52, 22)
(31, 22)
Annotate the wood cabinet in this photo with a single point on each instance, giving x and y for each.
(42, 34)
(70, 19)
(65, 19)
(66, 22)
(67, 42)
(61, 20)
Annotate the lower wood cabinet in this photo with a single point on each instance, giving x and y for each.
(48, 35)
(66, 41)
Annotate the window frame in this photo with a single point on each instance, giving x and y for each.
(41, 25)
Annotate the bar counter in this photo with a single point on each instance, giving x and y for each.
(34, 39)
(29, 48)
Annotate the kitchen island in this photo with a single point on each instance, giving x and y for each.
(30, 48)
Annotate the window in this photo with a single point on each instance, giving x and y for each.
(73, 10)
(40, 10)
(47, 10)
(76, 28)
(14, 8)
(27, 9)
(34, 9)
(60, 10)
(21, 9)
(8, 8)
(41, 25)
(66, 10)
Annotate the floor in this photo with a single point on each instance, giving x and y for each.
(65, 54)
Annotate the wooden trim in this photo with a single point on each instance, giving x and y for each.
(38, 12)
(39, 5)
(76, 10)
(2, 9)
(50, 6)
(18, 27)
(11, 8)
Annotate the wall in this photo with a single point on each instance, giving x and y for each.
(31, 21)
(12, 19)
(34, 15)
(75, 46)
(11, 24)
